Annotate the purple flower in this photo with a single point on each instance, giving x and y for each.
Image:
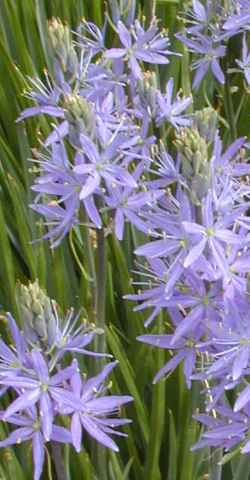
(244, 64)
(44, 390)
(185, 352)
(104, 164)
(200, 17)
(238, 20)
(30, 428)
(170, 110)
(123, 10)
(90, 38)
(210, 51)
(212, 234)
(225, 429)
(172, 243)
(95, 411)
(140, 45)
(40, 387)
(47, 97)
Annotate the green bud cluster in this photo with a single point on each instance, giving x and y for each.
(63, 49)
(147, 88)
(194, 151)
(206, 122)
(80, 115)
(37, 313)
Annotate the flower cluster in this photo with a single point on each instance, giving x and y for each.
(103, 163)
(106, 108)
(197, 266)
(208, 30)
(44, 389)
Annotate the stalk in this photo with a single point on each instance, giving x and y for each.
(100, 290)
(216, 453)
(149, 10)
(58, 461)
(216, 467)
(90, 260)
(229, 107)
(100, 453)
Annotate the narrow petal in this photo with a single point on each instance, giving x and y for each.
(40, 366)
(19, 435)
(94, 383)
(95, 432)
(58, 133)
(108, 403)
(169, 366)
(124, 35)
(240, 363)
(189, 323)
(38, 454)
(64, 374)
(161, 341)
(135, 67)
(195, 253)
(21, 403)
(243, 399)
(76, 431)
(115, 53)
(90, 186)
(46, 412)
(158, 248)
(119, 223)
(61, 434)
(217, 71)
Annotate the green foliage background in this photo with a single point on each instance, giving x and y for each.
(159, 440)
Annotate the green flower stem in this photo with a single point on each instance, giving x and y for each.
(149, 10)
(100, 453)
(100, 290)
(230, 109)
(216, 467)
(228, 101)
(56, 451)
(90, 261)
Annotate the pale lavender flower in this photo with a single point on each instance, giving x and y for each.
(140, 45)
(40, 387)
(90, 38)
(200, 17)
(102, 164)
(238, 20)
(96, 410)
(184, 349)
(123, 10)
(29, 427)
(44, 390)
(210, 53)
(171, 109)
(213, 233)
(224, 429)
(244, 64)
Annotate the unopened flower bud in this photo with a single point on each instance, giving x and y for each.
(61, 41)
(147, 89)
(37, 314)
(193, 149)
(206, 122)
(123, 10)
(80, 116)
